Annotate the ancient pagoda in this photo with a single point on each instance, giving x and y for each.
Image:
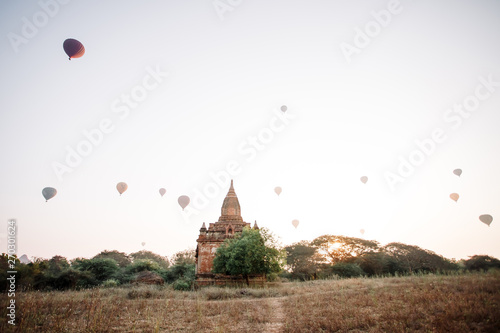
(230, 223)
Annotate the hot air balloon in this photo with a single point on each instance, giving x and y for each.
(486, 219)
(183, 201)
(362, 231)
(364, 179)
(162, 191)
(454, 196)
(277, 190)
(457, 172)
(121, 187)
(73, 48)
(284, 108)
(295, 223)
(143, 243)
(49, 193)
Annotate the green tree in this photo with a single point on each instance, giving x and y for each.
(121, 258)
(57, 264)
(302, 261)
(481, 262)
(251, 252)
(184, 257)
(74, 279)
(140, 265)
(29, 273)
(102, 269)
(182, 267)
(49, 271)
(335, 249)
(148, 255)
(374, 263)
(411, 258)
(346, 270)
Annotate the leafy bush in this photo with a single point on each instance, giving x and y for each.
(182, 284)
(123, 276)
(184, 271)
(110, 283)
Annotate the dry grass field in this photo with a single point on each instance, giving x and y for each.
(422, 303)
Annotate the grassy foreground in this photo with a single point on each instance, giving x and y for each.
(428, 303)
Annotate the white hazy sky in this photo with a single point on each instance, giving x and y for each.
(228, 75)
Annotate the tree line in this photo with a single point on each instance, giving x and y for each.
(250, 252)
(108, 268)
(343, 256)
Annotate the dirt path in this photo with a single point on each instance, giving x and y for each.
(277, 317)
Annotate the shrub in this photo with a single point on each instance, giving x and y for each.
(185, 271)
(182, 284)
(110, 283)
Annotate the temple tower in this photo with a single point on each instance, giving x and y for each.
(230, 223)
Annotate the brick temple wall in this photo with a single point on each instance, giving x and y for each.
(206, 255)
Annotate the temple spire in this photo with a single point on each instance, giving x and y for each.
(231, 210)
(231, 189)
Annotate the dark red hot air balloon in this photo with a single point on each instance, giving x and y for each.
(73, 48)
